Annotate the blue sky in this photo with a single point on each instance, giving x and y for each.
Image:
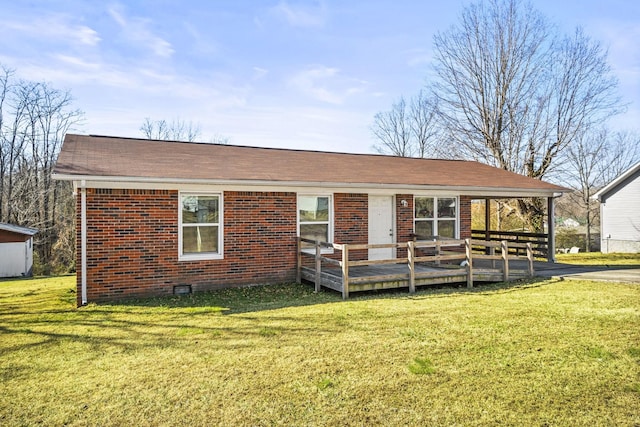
(291, 74)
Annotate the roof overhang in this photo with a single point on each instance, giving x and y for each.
(132, 182)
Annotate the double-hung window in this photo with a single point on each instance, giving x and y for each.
(315, 218)
(436, 217)
(200, 232)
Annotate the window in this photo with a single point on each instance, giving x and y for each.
(315, 218)
(200, 233)
(435, 217)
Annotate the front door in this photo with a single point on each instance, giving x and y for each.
(381, 226)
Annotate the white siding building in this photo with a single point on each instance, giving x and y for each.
(620, 213)
(16, 250)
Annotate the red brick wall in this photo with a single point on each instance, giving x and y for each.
(404, 221)
(465, 217)
(351, 221)
(133, 240)
(132, 243)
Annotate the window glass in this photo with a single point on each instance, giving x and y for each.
(424, 207)
(439, 222)
(446, 208)
(447, 229)
(315, 231)
(313, 208)
(199, 209)
(200, 227)
(424, 228)
(314, 218)
(199, 239)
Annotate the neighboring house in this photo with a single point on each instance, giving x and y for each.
(154, 216)
(16, 250)
(620, 213)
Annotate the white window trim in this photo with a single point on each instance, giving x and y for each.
(330, 228)
(435, 213)
(205, 255)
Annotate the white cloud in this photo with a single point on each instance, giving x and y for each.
(305, 16)
(136, 31)
(51, 28)
(259, 73)
(326, 84)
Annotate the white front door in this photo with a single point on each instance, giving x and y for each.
(381, 226)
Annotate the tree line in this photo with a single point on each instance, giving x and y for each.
(508, 89)
(34, 118)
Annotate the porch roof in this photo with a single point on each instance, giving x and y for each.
(104, 158)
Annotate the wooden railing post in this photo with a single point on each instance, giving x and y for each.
(530, 258)
(345, 271)
(438, 251)
(318, 266)
(505, 260)
(411, 253)
(469, 259)
(299, 267)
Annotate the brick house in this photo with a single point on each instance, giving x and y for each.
(156, 215)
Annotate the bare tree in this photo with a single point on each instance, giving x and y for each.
(408, 130)
(33, 120)
(176, 130)
(592, 161)
(392, 130)
(424, 126)
(512, 93)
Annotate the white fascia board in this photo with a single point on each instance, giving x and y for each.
(144, 183)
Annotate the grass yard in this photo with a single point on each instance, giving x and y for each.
(541, 353)
(598, 258)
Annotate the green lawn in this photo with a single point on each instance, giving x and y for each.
(538, 353)
(598, 258)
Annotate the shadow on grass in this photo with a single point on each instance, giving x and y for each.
(184, 321)
(272, 297)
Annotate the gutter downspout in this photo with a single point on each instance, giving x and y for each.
(83, 241)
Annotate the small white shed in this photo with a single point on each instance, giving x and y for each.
(620, 213)
(16, 250)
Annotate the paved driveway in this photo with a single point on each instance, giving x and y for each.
(611, 273)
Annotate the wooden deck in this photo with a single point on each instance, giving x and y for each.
(461, 266)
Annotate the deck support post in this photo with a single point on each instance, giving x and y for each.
(411, 254)
(505, 260)
(318, 266)
(487, 222)
(551, 232)
(530, 259)
(299, 265)
(469, 259)
(345, 271)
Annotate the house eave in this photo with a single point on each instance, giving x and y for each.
(93, 181)
(613, 184)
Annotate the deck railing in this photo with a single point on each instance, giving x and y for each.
(459, 251)
(539, 241)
